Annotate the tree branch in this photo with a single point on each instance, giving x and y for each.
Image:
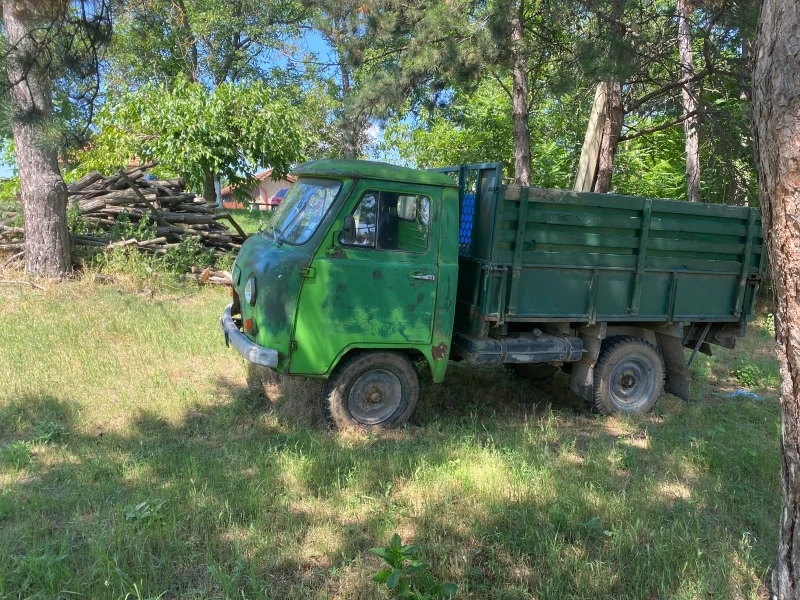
(641, 132)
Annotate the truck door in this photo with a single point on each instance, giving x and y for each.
(378, 290)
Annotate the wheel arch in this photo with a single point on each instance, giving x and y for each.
(637, 331)
(413, 352)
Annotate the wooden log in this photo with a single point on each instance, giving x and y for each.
(87, 240)
(195, 208)
(133, 212)
(179, 183)
(120, 198)
(139, 193)
(170, 230)
(188, 218)
(17, 256)
(122, 243)
(176, 199)
(154, 242)
(100, 222)
(228, 217)
(84, 182)
(11, 247)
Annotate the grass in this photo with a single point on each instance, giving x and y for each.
(251, 220)
(135, 462)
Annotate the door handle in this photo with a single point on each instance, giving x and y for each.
(423, 277)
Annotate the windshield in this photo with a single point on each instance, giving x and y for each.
(301, 210)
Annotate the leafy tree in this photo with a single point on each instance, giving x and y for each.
(477, 127)
(203, 41)
(430, 50)
(233, 131)
(630, 45)
(343, 26)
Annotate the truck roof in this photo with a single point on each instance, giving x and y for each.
(374, 170)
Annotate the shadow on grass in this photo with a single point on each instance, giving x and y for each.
(514, 490)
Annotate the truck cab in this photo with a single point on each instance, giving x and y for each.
(360, 263)
(368, 267)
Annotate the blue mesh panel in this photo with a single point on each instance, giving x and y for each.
(465, 227)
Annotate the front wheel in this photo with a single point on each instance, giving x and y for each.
(628, 377)
(371, 389)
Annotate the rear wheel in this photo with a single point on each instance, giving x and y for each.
(534, 372)
(628, 377)
(371, 389)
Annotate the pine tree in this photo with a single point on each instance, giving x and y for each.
(776, 119)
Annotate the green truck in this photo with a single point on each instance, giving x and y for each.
(369, 267)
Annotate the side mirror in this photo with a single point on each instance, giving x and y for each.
(348, 234)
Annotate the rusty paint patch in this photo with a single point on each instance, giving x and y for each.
(439, 352)
(335, 252)
(377, 275)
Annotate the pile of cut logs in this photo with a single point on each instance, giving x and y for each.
(172, 215)
(11, 237)
(172, 212)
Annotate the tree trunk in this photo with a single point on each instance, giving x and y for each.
(590, 152)
(689, 104)
(776, 120)
(194, 63)
(44, 194)
(351, 130)
(209, 189)
(519, 101)
(611, 131)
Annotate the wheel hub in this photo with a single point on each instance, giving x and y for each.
(631, 382)
(375, 396)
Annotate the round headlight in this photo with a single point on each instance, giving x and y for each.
(250, 291)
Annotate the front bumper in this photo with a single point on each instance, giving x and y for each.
(266, 357)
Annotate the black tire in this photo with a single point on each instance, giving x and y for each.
(534, 371)
(628, 377)
(374, 389)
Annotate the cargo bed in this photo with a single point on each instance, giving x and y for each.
(539, 255)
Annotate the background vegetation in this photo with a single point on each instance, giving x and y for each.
(222, 89)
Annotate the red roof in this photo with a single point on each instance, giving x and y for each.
(260, 177)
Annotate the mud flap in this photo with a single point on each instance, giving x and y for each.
(581, 380)
(678, 379)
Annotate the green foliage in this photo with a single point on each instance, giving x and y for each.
(229, 132)
(755, 374)
(16, 455)
(209, 41)
(405, 573)
(476, 127)
(149, 510)
(189, 253)
(9, 199)
(653, 166)
(46, 432)
(769, 323)
(125, 229)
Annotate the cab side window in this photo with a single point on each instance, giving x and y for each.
(392, 221)
(365, 216)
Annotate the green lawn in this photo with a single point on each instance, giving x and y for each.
(252, 221)
(135, 462)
